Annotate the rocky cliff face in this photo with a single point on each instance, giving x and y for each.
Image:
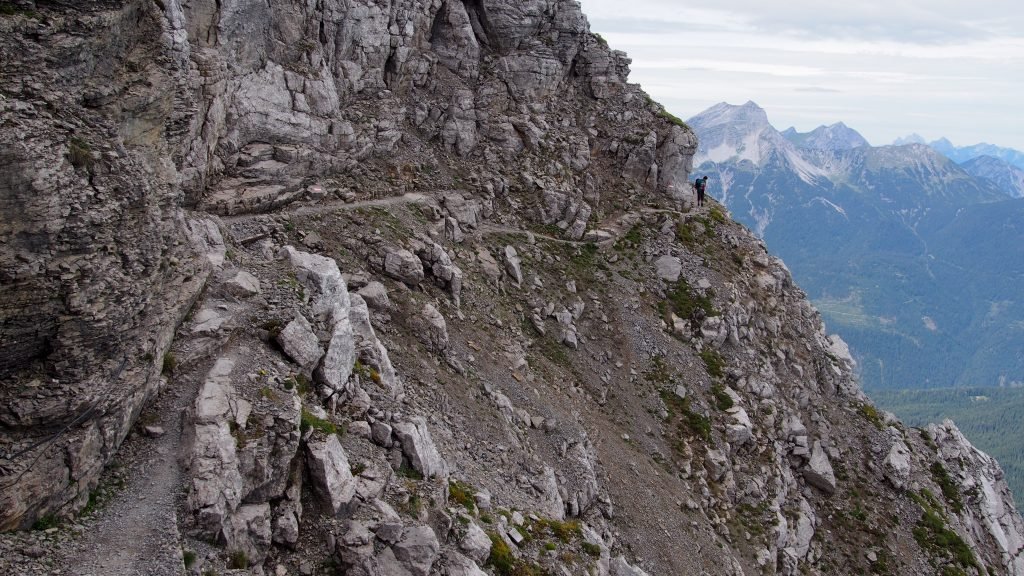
(458, 315)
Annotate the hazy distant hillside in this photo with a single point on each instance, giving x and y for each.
(961, 154)
(1006, 176)
(913, 260)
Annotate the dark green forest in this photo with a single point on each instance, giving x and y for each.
(991, 418)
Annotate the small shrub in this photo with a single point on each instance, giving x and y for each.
(238, 560)
(406, 471)
(189, 558)
(592, 549)
(932, 534)
(687, 304)
(501, 557)
(672, 118)
(659, 372)
(550, 546)
(928, 440)
(722, 400)
(273, 327)
(308, 421)
(566, 530)
(715, 364)
(871, 414)
(717, 215)
(80, 154)
(304, 384)
(357, 468)
(45, 522)
(169, 364)
(631, 240)
(462, 494)
(698, 424)
(948, 487)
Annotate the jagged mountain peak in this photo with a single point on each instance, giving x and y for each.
(837, 136)
(731, 131)
(748, 114)
(914, 138)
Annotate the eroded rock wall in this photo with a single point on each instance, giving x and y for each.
(117, 116)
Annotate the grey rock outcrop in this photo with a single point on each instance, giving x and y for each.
(818, 471)
(418, 447)
(433, 330)
(298, 341)
(897, 464)
(217, 485)
(369, 350)
(330, 301)
(234, 109)
(330, 473)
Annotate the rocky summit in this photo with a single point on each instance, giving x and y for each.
(415, 287)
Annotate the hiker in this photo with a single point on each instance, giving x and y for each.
(700, 184)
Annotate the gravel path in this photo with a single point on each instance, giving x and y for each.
(136, 532)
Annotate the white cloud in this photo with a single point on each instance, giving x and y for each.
(886, 69)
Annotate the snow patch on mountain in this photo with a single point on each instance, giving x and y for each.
(831, 205)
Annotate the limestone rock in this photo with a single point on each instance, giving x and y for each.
(354, 546)
(300, 343)
(619, 567)
(456, 564)
(668, 268)
(330, 473)
(370, 351)
(717, 464)
(434, 330)
(417, 550)
(475, 543)
(331, 301)
(216, 484)
(418, 447)
(897, 465)
(404, 266)
(242, 285)
(513, 265)
(376, 296)
(818, 471)
(248, 531)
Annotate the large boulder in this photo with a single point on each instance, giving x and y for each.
(370, 352)
(300, 343)
(818, 471)
(897, 465)
(418, 447)
(404, 266)
(330, 301)
(330, 474)
(216, 486)
(414, 554)
(433, 329)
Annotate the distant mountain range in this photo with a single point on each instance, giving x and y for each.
(915, 260)
(1003, 166)
(961, 154)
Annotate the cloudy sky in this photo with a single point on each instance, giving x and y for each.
(887, 69)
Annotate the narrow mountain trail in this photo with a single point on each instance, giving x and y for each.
(135, 533)
(616, 227)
